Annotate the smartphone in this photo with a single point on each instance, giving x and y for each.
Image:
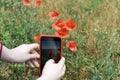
(50, 48)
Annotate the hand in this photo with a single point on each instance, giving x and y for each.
(22, 53)
(52, 70)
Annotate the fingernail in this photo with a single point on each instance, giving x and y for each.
(38, 56)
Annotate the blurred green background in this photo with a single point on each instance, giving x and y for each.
(97, 33)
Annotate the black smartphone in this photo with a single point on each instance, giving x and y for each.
(50, 48)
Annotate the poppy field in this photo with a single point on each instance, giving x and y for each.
(90, 32)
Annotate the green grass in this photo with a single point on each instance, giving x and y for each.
(98, 35)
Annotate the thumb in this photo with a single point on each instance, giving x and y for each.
(51, 61)
(33, 46)
(61, 62)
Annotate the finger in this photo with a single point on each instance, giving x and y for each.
(35, 62)
(61, 62)
(30, 64)
(33, 46)
(37, 54)
(34, 55)
(51, 61)
(63, 70)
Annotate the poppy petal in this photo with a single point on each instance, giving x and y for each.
(74, 49)
(26, 2)
(37, 38)
(72, 45)
(38, 3)
(63, 33)
(71, 25)
(54, 14)
(58, 25)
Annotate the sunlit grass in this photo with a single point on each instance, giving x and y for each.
(98, 35)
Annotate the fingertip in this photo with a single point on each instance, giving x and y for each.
(38, 56)
(35, 62)
(62, 61)
(51, 61)
(34, 45)
(63, 58)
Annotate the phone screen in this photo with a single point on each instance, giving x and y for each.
(50, 49)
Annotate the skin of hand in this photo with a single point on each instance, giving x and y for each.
(23, 53)
(52, 70)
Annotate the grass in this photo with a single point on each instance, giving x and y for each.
(98, 35)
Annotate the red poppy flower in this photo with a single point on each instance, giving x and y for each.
(58, 25)
(63, 33)
(71, 25)
(26, 2)
(72, 45)
(38, 3)
(54, 14)
(37, 38)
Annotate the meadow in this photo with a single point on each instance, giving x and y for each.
(97, 34)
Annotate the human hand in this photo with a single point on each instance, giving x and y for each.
(22, 53)
(52, 70)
